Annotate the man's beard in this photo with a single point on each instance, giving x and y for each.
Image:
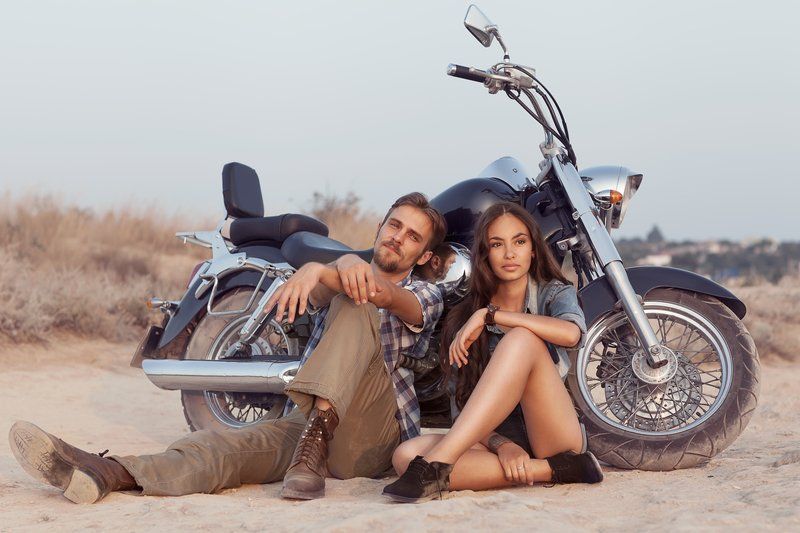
(386, 260)
(389, 261)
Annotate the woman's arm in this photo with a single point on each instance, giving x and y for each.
(554, 330)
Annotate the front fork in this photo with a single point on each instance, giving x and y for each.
(606, 253)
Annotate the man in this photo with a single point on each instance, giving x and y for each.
(354, 402)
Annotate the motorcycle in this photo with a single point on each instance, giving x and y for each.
(667, 376)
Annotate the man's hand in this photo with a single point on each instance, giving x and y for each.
(516, 463)
(357, 277)
(292, 296)
(469, 333)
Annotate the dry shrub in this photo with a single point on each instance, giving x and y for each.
(347, 220)
(773, 317)
(70, 270)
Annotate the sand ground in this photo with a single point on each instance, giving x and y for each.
(85, 392)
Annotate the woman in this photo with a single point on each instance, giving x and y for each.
(517, 423)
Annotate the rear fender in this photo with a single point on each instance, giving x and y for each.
(598, 298)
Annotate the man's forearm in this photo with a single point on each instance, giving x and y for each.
(329, 277)
(329, 285)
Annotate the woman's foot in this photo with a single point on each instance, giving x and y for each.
(571, 467)
(422, 481)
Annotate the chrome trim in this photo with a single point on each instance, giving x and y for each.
(455, 283)
(479, 25)
(215, 375)
(606, 254)
(618, 178)
(258, 317)
(584, 211)
(618, 279)
(655, 308)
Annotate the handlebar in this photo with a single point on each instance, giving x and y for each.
(467, 73)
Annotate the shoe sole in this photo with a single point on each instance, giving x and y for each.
(290, 494)
(405, 499)
(596, 465)
(35, 452)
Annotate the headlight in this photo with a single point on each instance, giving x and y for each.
(601, 181)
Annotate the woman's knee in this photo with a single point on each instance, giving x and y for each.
(409, 449)
(523, 339)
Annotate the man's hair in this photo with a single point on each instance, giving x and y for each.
(420, 201)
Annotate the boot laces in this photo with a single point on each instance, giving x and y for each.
(313, 434)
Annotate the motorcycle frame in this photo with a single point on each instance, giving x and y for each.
(223, 265)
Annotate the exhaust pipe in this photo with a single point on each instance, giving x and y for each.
(222, 376)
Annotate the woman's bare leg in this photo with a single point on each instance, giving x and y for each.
(519, 371)
(476, 469)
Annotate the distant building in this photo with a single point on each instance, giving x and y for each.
(656, 260)
(655, 236)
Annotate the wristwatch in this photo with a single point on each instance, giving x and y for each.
(491, 309)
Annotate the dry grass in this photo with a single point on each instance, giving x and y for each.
(66, 270)
(773, 317)
(71, 270)
(347, 220)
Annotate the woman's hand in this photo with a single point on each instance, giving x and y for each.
(516, 463)
(469, 333)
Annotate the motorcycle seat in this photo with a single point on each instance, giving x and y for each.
(304, 247)
(274, 229)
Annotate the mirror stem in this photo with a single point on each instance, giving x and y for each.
(506, 57)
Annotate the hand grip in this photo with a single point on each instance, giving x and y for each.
(467, 73)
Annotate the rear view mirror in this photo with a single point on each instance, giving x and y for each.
(479, 25)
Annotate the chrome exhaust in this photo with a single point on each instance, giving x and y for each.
(223, 376)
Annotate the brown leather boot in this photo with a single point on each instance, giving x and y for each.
(84, 477)
(305, 479)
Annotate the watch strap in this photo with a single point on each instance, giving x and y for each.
(491, 309)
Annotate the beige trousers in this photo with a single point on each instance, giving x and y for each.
(346, 368)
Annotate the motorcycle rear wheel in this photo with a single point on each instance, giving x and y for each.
(685, 421)
(210, 339)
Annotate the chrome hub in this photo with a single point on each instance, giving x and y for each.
(655, 376)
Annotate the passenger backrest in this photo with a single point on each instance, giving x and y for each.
(241, 191)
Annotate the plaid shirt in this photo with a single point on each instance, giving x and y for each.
(398, 337)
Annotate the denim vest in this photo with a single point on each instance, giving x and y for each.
(558, 300)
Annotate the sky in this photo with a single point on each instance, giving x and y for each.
(118, 103)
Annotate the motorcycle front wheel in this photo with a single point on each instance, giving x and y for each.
(704, 404)
(210, 340)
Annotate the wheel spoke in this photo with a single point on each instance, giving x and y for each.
(692, 394)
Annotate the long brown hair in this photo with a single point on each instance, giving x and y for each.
(483, 285)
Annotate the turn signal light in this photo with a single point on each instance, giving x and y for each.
(615, 197)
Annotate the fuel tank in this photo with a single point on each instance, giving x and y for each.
(464, 202)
